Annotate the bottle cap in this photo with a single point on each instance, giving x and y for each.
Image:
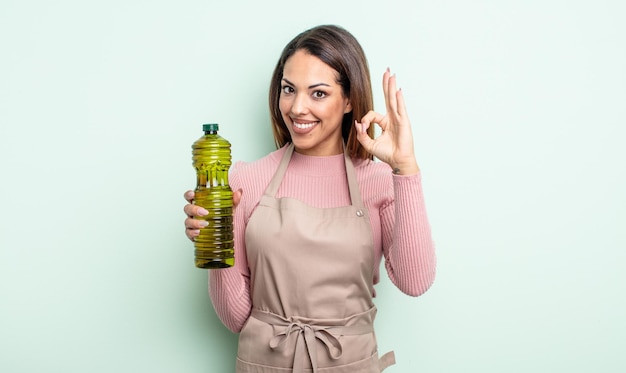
(210, 127)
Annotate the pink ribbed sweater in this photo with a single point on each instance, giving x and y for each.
(400, 227)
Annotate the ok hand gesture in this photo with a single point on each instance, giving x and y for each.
(394, 146)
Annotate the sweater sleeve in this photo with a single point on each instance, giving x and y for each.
(229, 288)
(407, 241)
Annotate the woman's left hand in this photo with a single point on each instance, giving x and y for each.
(394, 146)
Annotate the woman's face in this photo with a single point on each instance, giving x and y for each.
(312, 105)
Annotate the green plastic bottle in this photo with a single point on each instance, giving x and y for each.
(212, 160)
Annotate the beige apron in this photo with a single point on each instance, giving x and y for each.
(311, 285)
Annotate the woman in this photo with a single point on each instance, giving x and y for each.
(314, 218)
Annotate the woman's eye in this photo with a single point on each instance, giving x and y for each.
(319, 94)
(287, 89)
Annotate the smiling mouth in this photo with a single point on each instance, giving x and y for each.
(304, 125)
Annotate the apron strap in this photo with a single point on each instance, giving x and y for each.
(272, 188)
(355, 192)
(386, 360)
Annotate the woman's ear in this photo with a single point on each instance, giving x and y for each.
(348, 108)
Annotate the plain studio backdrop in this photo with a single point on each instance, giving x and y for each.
(518, 110)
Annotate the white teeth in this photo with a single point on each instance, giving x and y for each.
(304, 125)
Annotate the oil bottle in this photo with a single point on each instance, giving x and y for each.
(214, 247)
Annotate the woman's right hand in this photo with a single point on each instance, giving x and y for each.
(193, 225)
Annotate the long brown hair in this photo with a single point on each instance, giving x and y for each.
(340, 50)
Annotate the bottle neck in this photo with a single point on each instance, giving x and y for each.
(210, 132)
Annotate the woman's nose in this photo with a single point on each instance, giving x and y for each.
(299, 105)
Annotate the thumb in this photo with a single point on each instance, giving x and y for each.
(362, 136)
(237, 197)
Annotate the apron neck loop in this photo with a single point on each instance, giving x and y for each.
(355, 193)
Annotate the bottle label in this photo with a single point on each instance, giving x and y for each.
(212, 175)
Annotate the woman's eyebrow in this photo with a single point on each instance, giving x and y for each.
(311, 86)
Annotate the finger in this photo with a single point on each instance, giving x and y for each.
(401, 104)
(193, 210)
(192, 233)
(374, 117)
(192, 224)
(189, 195)
(389, 84)
(392, 103)
(362, 135)
(386, 76)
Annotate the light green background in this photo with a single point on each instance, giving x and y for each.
(518, 110)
